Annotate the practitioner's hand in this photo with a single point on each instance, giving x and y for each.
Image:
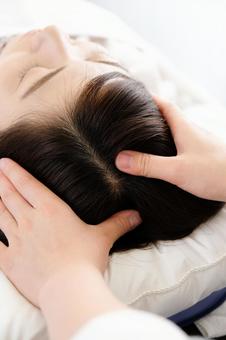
(45, 235)
(199, 166)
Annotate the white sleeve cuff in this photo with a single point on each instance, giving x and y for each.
(129, 324)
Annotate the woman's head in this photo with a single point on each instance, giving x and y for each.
(64, 64)
(74, 155)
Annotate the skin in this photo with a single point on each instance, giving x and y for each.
(29, 210)
(31, 216)
(37, 53)
(199, 166)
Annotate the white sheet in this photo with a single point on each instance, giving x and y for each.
(137, 277)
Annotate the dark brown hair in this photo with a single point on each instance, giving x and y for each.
(74, 156)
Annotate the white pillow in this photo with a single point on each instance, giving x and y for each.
(170, 276)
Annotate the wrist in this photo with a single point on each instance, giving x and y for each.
(72, 297)
(61, 275)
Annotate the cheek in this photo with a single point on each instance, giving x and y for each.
(10, 71)
(9, 109)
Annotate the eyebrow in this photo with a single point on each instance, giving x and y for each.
(34, 87)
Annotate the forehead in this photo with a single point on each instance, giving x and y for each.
(78, 73)
(67, 85)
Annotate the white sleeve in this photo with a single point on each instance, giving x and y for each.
(129, 324)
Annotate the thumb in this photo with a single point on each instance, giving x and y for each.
(142, 164)
(119, 224)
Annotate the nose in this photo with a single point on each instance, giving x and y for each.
(30, 33)
(58, 34)
(63, 42)
(52, 45)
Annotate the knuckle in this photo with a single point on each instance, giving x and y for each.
(21, 179)
(49, 208)
(26, 222)
(4, 185)
(144, 165)
(104, 235)
(122, 223)
(179, 170)
(6, 192)
(2, 208)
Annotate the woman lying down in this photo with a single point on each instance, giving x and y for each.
(67, 109)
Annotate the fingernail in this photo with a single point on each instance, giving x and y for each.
(135, 219)
(124, 161)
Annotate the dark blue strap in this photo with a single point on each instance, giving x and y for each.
(200, 309)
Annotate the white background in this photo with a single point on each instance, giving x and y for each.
(192, 33)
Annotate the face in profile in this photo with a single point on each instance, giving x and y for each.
(42, 70)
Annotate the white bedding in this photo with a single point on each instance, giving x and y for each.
(168, 277)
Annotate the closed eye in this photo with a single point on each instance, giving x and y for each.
(25, 70)
(34, 87)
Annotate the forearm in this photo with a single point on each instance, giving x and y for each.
(74, 296)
